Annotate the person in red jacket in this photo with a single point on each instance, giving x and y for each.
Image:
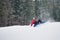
(33, 21)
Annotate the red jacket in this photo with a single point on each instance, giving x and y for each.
(32, 22)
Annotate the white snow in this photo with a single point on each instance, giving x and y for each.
(46, 31)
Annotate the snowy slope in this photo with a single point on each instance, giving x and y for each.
(46, 31)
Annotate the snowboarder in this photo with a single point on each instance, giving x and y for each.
(33, 21)
(36, 22)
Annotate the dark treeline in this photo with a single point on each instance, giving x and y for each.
(21, 12)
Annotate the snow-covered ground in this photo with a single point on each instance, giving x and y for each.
(46, 31)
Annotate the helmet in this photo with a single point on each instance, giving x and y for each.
(33, 17)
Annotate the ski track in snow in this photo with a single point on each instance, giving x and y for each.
(46, 31)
